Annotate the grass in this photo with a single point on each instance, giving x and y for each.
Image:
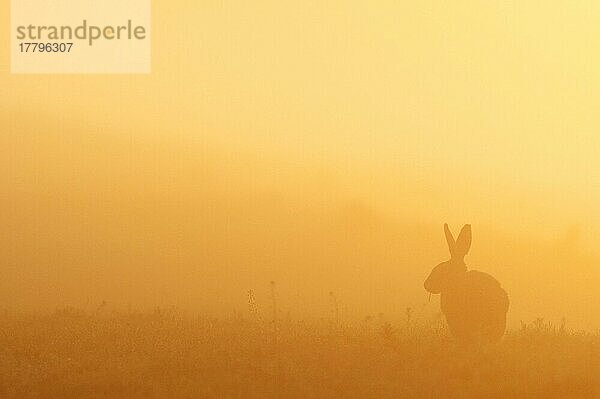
(166, 354)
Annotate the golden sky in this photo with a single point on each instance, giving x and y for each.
(319, 144)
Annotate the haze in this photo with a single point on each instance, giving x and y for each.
(321, 146)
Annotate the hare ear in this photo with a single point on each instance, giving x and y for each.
(449, 239)
(463, 242)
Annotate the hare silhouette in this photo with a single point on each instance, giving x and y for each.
(473, 303)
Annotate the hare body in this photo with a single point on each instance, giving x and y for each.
(473, 302)
(476, 308)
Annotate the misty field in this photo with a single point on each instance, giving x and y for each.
(168, 354)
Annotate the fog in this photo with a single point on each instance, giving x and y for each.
(140, 223)
(321, 148)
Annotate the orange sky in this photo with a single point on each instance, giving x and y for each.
(320, 145)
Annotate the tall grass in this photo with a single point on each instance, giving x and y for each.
(167, 354)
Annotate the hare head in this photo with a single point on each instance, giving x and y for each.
(452, 271)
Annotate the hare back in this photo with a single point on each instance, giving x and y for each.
(477, 303)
